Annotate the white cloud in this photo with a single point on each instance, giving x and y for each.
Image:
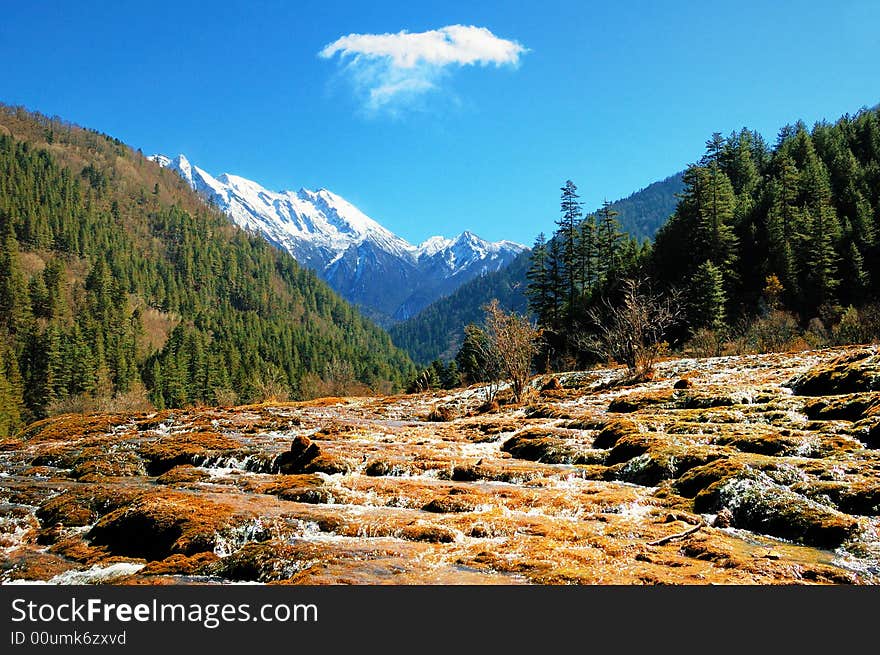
(393, 69)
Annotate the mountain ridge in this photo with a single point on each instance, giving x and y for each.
(388, 277)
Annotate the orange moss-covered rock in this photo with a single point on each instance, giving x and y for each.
(441, 414)
(29, 565)
(849, 407)
(551, 450)
(547, 411)
(633, 402)
(178, 564)
(304, 489)
(83, 505)
(68, 427)
(268, 561)
(186, 448)
(612, 431)
(183, 474)
(859, 495)
(449, 504)
(161, 524)
(852, 372)
(329, 464)
(97, 463)
(698, 478)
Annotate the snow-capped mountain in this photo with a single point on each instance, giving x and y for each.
(364, 262)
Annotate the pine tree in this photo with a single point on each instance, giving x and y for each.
(587, 255)
(538, 291)
(556, 284)
(568, 224)
(707, 298)
(608, 242)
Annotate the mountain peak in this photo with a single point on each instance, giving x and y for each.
(364, 261)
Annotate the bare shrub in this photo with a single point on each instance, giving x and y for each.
(271, 386)
(706, 343)
(339, 377)
(134, 400)
(515, 341)
(225, 397)
(777, 332)
(632, 331)
(479, 361)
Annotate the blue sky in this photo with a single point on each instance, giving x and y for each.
(611, 95)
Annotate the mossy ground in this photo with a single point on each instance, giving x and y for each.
(738, 476)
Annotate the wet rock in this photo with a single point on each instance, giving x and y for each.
(106, 465)
(33, 566)
(613, 431)
(378, 468)
(441, 414)
(184, 474)
(868, 432)
(550, 450)
(490, 407)
(585, 423)
(695, 480)
(466, 474)
(770, 443)
(723, 518)
(854, 372)
(632, 445)
(199, 563)
(161, 524)
(546, 411)
(430, 533)
(759, 505)
(860, 496)
(186, 448)
(553, 384)
(302, 451)
(850, 407)
(70, 427)
(312, 489)
(82, 505)
(634, 402)
(448, 505)
(268, 561)
(329, 464)
(495, 427)
(660, 463)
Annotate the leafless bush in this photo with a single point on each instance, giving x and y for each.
(134, 400)
(632, 331)
(225, 397)
(706, 343)
(515, 342)
(271, 386)
(339, 377)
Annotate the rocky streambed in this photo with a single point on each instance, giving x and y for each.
(757, 470)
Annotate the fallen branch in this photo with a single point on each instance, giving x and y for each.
(677, 535)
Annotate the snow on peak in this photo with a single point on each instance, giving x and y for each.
(307, 222)
(433, 245)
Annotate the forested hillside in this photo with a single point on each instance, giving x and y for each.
(117, 281)
(438, 330)
(767, 245)
(644, 212)
(794, 226)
